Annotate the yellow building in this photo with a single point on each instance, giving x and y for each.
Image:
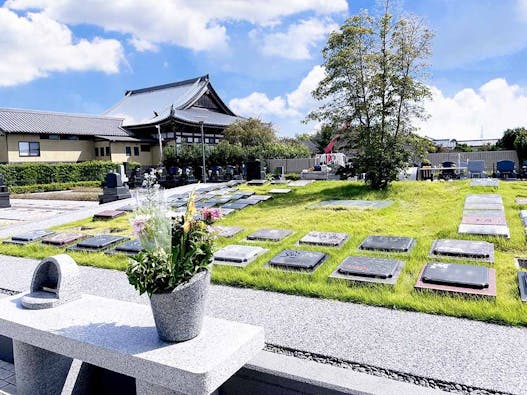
(178, 113)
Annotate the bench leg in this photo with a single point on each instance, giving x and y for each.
(39, 371)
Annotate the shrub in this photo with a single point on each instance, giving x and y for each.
(56, 186)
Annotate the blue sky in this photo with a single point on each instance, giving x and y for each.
(263, 56)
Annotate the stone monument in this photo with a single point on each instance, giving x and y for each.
(114, 189)
(4, 193)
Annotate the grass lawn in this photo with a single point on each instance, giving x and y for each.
(423, 210)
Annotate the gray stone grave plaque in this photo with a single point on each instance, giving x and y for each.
(237, 255)
(242, 194)
(483, 206)
(281, 181)
(29, 236)
(207, 204)
(388, 243)
(269, 235)
(177, 203)
(484, 230)
(220, 200)
(523, 213)
(522, 201)
(226, 211)
(62, 239)
(522, 282)
(484, 198)
(484, 182)
(463, 249)
(369, 269)
(455, 274)
(261, 198)
(132, 247)
(483, 213)
(353, 204)
(108, 214)
(331, 239)
(298, 260)
(249, 201)
(280, 191)
(257, 182)
(234, 206)
(475, 220)
(127, 208)
(300, 183)
(97, 243)
(227, 231)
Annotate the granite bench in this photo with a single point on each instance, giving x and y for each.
(121, 337)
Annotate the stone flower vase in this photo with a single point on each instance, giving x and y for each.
(179, 314)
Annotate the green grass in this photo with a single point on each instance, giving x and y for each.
(423, 210)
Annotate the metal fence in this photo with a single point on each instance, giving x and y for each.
(490, 158)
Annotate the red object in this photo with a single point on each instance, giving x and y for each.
(329, 148)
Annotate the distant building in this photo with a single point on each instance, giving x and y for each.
(451, 144)
(127, 132)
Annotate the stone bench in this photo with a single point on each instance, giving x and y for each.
(121, 337)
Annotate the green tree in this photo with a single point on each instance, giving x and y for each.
(323, 137)
(463, 148)
(509, 136)
(250, 132)
(520, 144)
(374, 67)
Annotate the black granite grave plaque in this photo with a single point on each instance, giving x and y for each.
(301, 260)
(97, 243)
(29, 236)
(388, 243)
(463, 249)
(522, 282)
(368, 267)
(455, 274)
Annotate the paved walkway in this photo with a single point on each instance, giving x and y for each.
(7, 378)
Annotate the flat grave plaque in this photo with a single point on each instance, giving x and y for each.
(227, 231)
(483, 213)
(331, 239)
(523, 213)
(97, 243)
(484, 230)
(522, 282)
(257, 182)
(484, 198)
(475, 220)
(132, 247)
(388, 243)
(274, 182)
(220, 200)
(108, 214)
(249, 201)
(177, 203)
(522, 201)
(207, 204)
(484, 182)
(352, 204)
(62, 239)
(456, 274)
(237, 255)
(127, 208)
(261, 198)
(483, 206)
(226, 211)
(463, 249)
(363, 266)
(269, 235)
(298, 260)
(280, 191)
(234, 206)
(29, 236)
(242, 194)
(300, 183)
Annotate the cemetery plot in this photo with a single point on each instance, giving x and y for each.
(219, 200)
(522, 283)
(298, 260)
(257, 182)
(368, 269)
(63, 239)
(237, 255)
(207, 204)
(353, 204)
(484, 230)
(483, 213)
(484, 225)
(249, 201)
(108, 214)
(484, 182)
(261, 198)
(127, 208)
(330, 239)
(459, 278)
(177, 203)
(521, 263)
(97, 243)
(463, 249)
(388, 243)
(234, 206)
(242, 194)
(522, 201)
(300, 183)
(269, 235)
(132, 247)
(227, 231)
(484, 198)
(226, 211)
(280, 191)
(483, 206)
(476, 220)
(29, 237)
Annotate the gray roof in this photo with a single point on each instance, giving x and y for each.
(45, 122)
(139, 107)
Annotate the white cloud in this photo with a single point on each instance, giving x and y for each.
(522, 7)
(494, 107)
(286, 111)
(194, 24)
(34, 45)
(296, 43)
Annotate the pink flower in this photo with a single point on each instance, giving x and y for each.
(210, 214)
(140, 223)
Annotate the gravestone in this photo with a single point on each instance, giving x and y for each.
(177, 203)
(368, 267)
(257, 182)
(280, 191)
(522, 201)
(269, 235)
(484, 198)
(207, 204)
(455, 274)
(4, 193)
(127, 208)
(484, 230)
(227, 231)
(261, 198)
(237, 255)
(62, 239)
(484, 182)
(97, 243)
(226, 211)
(331, 239)
(483, 206)
(29, 236)
(300, 183)
(114, 189)
(282, 181)
(249, 201)
(388, 243)
(463, 249)
(253, 170)
(299, 260)
(234, 206)
(242, 194)
(522, 283)
(108, 214)
(476, 220)
(132, 247)
(483, 213)
(220, 200)
(353, 204)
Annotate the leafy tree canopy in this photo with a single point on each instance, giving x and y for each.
(250, 133)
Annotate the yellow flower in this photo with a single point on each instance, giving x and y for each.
(191, 207)
(186, 226)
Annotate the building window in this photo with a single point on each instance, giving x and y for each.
(108, 152)
(28, 148)
(145, 148)
(136, 151)
(96, 151)
(128, 151)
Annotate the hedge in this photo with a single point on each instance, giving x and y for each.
(45, 173)
(56, 186)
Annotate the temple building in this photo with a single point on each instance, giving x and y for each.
(177, 114)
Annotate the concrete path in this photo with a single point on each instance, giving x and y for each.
(443, 348)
